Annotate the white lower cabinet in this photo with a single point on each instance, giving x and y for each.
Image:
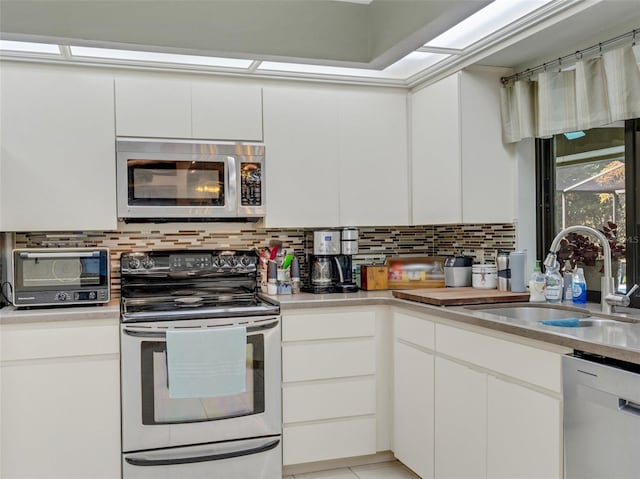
(413, 408)
(470, 404)
(329, 384)
(524, 436)
(60, 400)
(460, 421)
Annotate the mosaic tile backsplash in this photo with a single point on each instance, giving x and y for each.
(480, 241)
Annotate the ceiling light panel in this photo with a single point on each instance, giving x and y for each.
(139, 56)
(29, 47)
(484, 22)
(413, 63)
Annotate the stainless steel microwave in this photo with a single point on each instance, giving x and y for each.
(60, 276)
(178, 180)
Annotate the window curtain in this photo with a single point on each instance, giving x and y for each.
(598, 92)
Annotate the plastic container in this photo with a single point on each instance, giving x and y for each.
(579, 287)
(567, 282)
(553, 284)
(484, 276)
(537, 283)
(517, 262)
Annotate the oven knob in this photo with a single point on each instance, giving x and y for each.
(134, 263)
(62, 296)
(218, 261)
(92, 295)
(147, 263)
(232, 260)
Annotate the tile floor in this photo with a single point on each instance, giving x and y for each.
(382, 470)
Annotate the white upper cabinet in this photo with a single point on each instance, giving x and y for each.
(488, 165)
(222, 111)
(57, 157)
(435, 142)
(335, 157)
(462, 172)
(153, 108)
(301, 157)
(207, 110)
(373, 158)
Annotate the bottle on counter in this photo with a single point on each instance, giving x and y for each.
(553, 284)
(537, 283)
(567, 282)
(579, 287)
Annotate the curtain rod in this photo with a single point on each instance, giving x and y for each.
(572, 56)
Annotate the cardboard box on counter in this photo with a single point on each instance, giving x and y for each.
(374, 277)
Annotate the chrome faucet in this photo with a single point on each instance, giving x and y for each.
(609, 298)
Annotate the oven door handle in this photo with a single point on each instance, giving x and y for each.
(162, 334)
(170, 461)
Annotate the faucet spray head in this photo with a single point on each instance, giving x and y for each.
(550, 260)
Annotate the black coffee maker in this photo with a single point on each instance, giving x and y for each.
(330, 262)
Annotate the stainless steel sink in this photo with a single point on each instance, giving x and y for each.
(532, 312)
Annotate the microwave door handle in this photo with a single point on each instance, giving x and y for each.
(232, 185)
(170, 461)
(64, 254)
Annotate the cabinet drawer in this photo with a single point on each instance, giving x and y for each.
(332, 324)
(414, 330)
(327, 400)
(328, 440)
(323, 360)
(59, 339)
(529, 364)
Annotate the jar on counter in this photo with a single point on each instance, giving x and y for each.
(484, 276)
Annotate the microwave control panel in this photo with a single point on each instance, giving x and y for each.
(251, 184)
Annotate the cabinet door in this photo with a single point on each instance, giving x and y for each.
(154, 108)
(435, 140)
(300, 131)
(524, 432)
(488, 165)
(61, 418)
(373, 158)
(413, 411)
(460, 421)
(57, 157)
(226, 112)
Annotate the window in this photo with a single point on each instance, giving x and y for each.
(589, 178)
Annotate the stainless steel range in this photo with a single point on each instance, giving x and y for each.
(194, 411)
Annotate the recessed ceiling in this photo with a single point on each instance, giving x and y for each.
(380, 42)
(362, 35)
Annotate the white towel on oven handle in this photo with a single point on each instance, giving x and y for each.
(206, 362)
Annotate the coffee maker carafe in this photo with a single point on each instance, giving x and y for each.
(330, 261)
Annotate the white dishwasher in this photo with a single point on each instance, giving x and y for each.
(601, 417)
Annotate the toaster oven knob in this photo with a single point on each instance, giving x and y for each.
(62, 296)
(134, 263)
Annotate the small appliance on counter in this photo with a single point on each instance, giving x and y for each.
(330, 261)
(60, 276)
(457, 271)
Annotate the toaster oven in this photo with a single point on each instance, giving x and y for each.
(60, 276)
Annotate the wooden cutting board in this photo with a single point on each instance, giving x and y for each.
(460, 296)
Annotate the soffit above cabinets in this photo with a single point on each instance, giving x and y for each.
(376, 42)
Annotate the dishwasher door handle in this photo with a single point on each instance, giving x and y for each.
(629, 407)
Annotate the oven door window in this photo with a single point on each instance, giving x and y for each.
(158, 408)
(54, 273)
(176, 183)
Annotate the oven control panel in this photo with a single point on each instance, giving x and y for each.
(197, 262)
